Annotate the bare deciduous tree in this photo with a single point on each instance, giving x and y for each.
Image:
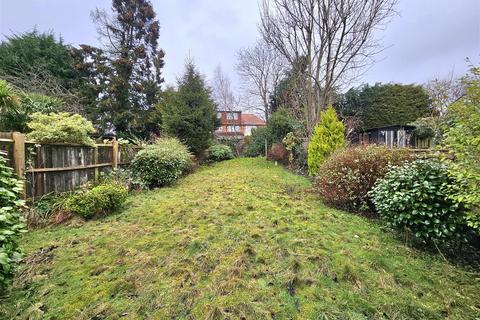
(444, 92)
(260, 68)
(223, 94)
(335, 38)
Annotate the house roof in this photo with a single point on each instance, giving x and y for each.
(252, 120)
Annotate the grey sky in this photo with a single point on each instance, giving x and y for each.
(429, 38)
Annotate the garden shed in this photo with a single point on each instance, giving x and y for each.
(396, 136)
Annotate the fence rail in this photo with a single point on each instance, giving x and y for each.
(60, 167)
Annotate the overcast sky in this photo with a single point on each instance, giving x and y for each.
(428, 39)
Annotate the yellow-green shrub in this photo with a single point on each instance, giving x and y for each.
(60, 127)
(327, 136)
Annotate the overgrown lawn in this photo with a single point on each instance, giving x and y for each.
(238, 240)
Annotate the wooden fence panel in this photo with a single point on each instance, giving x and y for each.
(6, 149)
(57, 167)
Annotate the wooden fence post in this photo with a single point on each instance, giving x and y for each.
(18, 153)
(19, 158)
(115, 154)
(95, 161)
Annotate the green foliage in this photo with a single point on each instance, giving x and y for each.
(189, 113)
(9, 100)
(428, 128)
(247, 228)
(121, 177)
(327, 136)
(161, 164)
(100, 200)
(346, 177)
(462, 138)
(124, 76)
(417, 198)
(35, 58)
(256, 142)
(278, 126)
(60, 128)
(11, 222)
(298, 154)
(219, 152)
(385, 104)
(16, 119)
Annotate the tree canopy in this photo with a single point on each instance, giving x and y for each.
(124, 76)
(190, 113)
(35, 56)
(384, 104)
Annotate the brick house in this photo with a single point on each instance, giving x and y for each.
(237, 124)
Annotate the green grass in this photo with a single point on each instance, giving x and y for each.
(238, 240)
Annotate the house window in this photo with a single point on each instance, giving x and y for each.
(233, 129)
(219, 115)
(232, 116)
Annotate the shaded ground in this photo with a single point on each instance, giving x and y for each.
(239, 240)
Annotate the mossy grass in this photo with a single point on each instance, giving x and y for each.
(238, 240)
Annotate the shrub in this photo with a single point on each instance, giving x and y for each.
(9, 100)
(11, 222)
(60, 127)
(327, 136)
(100, 200)
(279, 153)
(161, 164)
(347, 176)
(256, 142)
(278, 126)
(122, 177)
(462, 138)
(416, 197)
(219, 152)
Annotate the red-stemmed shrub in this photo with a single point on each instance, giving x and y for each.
(278, 153)
(347, 176)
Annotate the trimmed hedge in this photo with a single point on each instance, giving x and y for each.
(346, 177)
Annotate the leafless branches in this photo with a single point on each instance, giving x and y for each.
(43, 82)
(260, 69)
(335, 38)
(222, 92)
(444, 92)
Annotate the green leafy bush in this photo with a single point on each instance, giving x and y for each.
(61, 128)
(347, 176)
(298, 154)
(17, 107)
(11, 222)
(161, 164)
(278, 126)
(417, 198)
(462, 138)
(100, 200)
(327, 136)
(9, 100)
(219, 152)
(122, 177)
(256, 142)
